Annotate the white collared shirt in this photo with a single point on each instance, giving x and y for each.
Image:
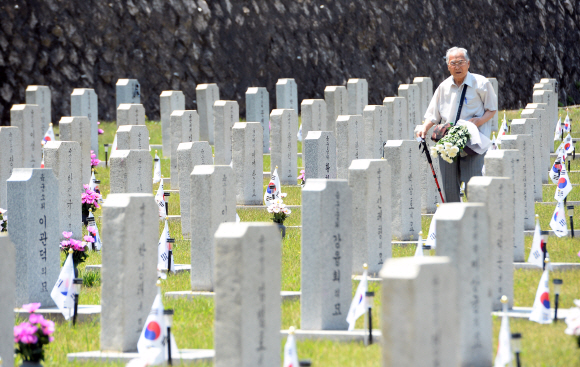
(479, 97)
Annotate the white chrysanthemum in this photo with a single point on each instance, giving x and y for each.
(276, 209)
(452, 153)
(439, 147)
(454, 149)
(448, 145)
(433, 151)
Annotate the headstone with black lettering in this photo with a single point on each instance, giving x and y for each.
(190, 155)
(419, 312)
(550, 98)
(425, 92)
(523, 143)
(508, 163)
(532, 127)
(128, 91)
(130, 114)
(320, 155)
(326, 254)
(85, 102)
(10, 157)
(495, 118)
(397, 128)
(284, 146)
(287, 94)
(466, 242)
(429, 193)
(412, 95)
(248, 162)
(132, 137)
(497, 195)
(551, 84)
(27, 118)
(8, 299)
(226, 114)
(405, 185)
(247, 294)
(350, 142)
(169, 100)
(212, 202)
(258, 110)
(207, 95)
(371, 213)
(64, 157)
(539, 111)
(313, 116)
(40, 95)
(78, 128)
(358, 96)
(34, 230)
(376, 130)
(184, 129)
(130, 230)
(131, 171)
(336, 98)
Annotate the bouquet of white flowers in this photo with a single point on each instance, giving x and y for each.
(573, 322)
(451, 144)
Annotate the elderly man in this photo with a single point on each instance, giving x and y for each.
(479, 106)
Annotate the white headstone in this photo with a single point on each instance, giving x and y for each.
(247, 294)
(34, 230)
(376, 130)
(85, 102)
(405, 185)
(371, 213)
(189, 155)
(508, 163)
(326, 254)
(539, 111)
(226, 114)
(212, 202)
(429, 193)
(130, 114)
(78, 128)
(248, 162)
(552, 85)
(8, 299)
(497, 195)
(550, 98)
(128, 91)
(425, 92)
(132, 137)
(283, 143)
(287, 94)
(10, 157)
(184, 126)
(207, 95)
(350, 132)
(358, 96)
(419, 312)
(26, 117)
(130, 231)
(397, 128)
(411, 93)
(320, 155)
(463, 236)
(495, 118)
(131, 171)
(258, 110)
(170, 100)
(40, 95)
(64, 157)
(532, 127)
(336, 98)
(313, 116)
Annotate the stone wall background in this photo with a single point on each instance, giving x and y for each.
(177, 44)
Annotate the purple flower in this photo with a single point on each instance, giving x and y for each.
(89, 239)
(25, 333)
(31, 307)
(47, 327)
(77, 245)
(92, 230)
(64, 244)
(101, 132)
(35, 318)
(66, 234)
(98, 122)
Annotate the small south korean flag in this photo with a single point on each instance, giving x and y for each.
(541, 309)
(558, 222)
(558, 131)
(160, 200)
(564, 186)
(568, 144)
(62, 293)
(567, 125)
(555, 171)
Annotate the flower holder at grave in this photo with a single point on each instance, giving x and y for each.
(77, 282)
(166, 195)
(170, 242)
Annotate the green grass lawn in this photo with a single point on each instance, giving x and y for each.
(543, 345)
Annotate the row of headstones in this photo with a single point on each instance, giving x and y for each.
(327, 248)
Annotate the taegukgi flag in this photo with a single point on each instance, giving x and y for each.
(536, 256)
(63, 291)
(160, 200)
(49, 135)
(558, 131)
(358, 306)
(504, 350)
(154, 333)
(567, 127)
(564, 186)
(163, 248)
(419, 248)
(568, 145)
(558, 221)
(502, 130)
(555, 171)
(290, 352)
(299, 135)
(541, 309)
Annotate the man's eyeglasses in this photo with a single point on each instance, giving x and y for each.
(458, 63)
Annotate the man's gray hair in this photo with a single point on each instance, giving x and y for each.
(455, 49)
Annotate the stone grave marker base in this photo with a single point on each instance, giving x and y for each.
(358, 335)
(85, 313)
(185, 356)
(524, 313)
(286, 295)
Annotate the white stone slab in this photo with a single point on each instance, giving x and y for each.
(130, 114)
(258, 110)
(27, 118)
(358, 96)
(128, 91)
(169, 101)
(185, 356)
(375, 131)
(40, 95)
(287, 94)
(336, 98)
(85, 102)
(206, 95)
(397, 128)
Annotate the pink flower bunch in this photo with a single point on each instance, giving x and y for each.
(302, 175)
(89, 238)
(25, 333)
(94, 160)
(71, 243)
(90, 197)
(31, 335)
(101, 132)
(92, 230)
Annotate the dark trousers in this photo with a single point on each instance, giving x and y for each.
(470, 166)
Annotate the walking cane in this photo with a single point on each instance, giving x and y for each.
(426, 151)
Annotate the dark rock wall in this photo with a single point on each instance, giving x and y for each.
(176, 44)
